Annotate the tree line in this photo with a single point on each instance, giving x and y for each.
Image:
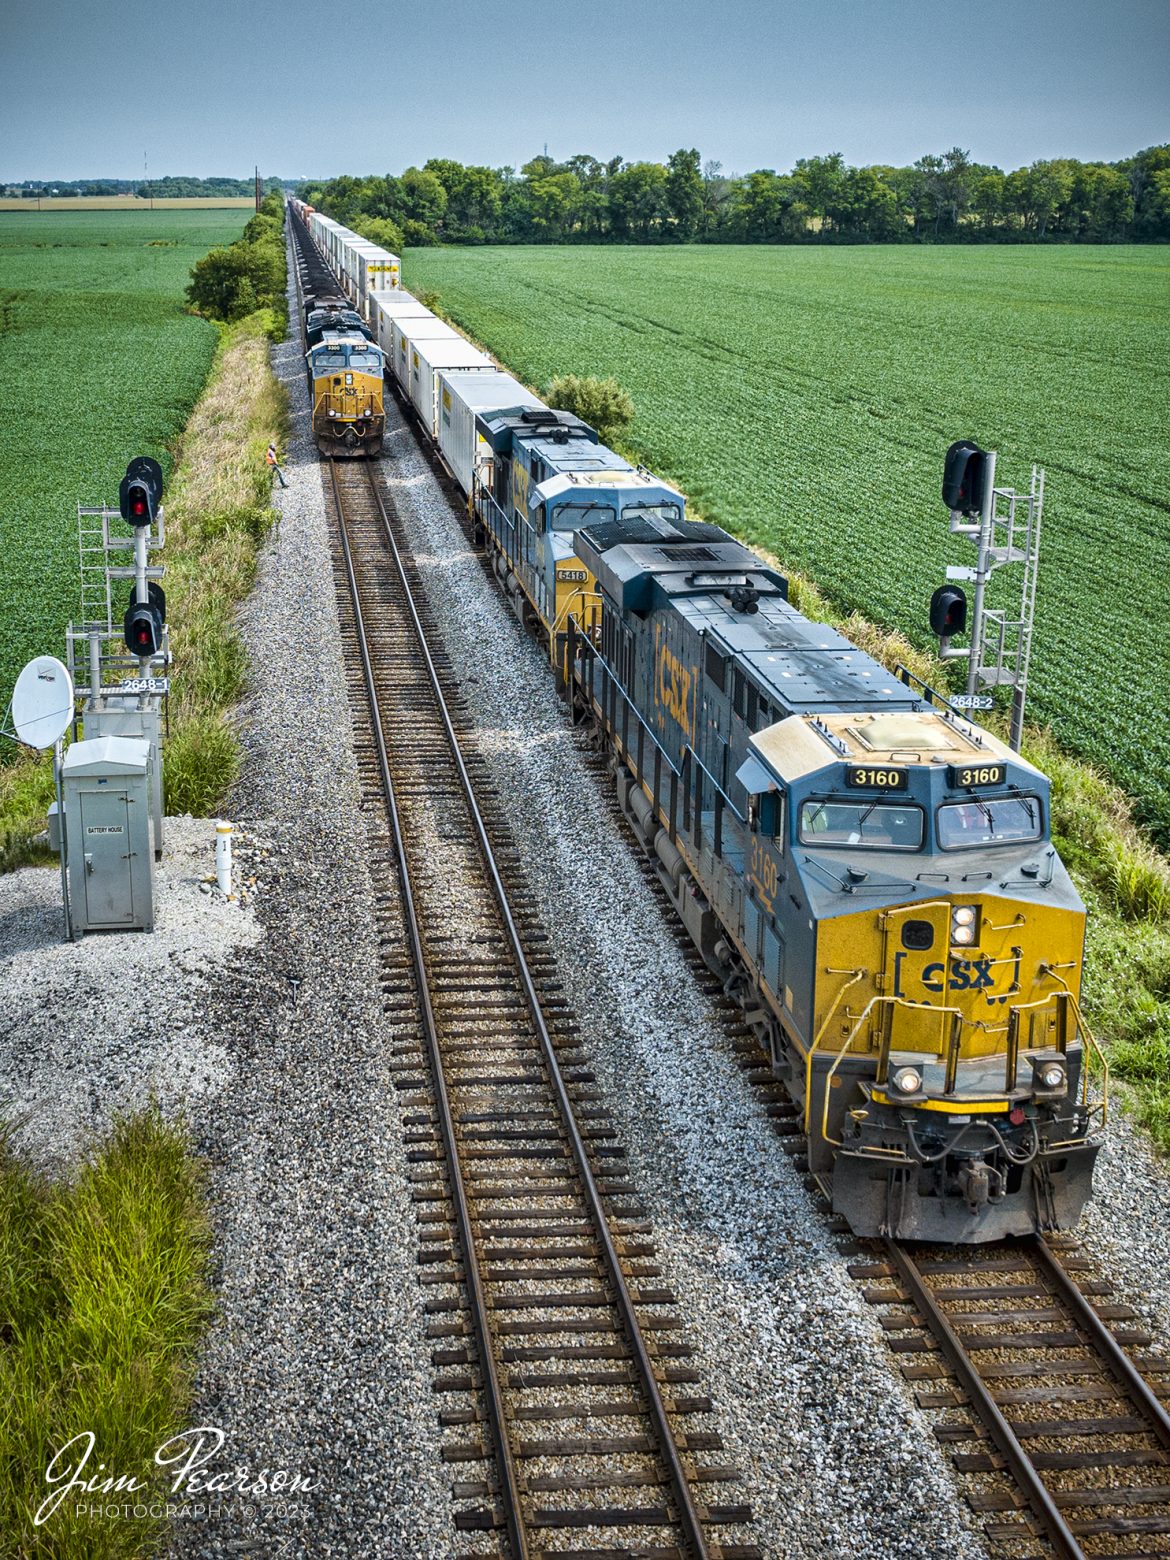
(941, 198)
(173, 187)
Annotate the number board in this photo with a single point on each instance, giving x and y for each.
(876, 777)
(968, 776)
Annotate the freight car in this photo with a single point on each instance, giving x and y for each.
(869, 874)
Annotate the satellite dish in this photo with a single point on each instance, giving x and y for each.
(42, 702)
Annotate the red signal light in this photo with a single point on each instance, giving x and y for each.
(140, 491)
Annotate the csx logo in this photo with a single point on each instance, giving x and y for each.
(675, 682)
(966, 975)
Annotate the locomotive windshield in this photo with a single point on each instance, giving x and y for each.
(571, 517)
(323, 361)
(670, 512)
(366, 362)
(874, 825)
(1004, 821)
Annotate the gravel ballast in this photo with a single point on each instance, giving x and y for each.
(319, 1364)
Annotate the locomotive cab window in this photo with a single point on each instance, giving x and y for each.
(324, 361)
(766, 814)
(571, 517)
(1006, 820)
(653, 511)
(871, 825)
(366, 362)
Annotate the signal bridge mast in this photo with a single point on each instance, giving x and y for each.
(1004, 527)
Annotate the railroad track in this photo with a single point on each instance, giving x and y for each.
(559, 1354)
(1019, 1349)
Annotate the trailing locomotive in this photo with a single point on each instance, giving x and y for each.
(871, 875)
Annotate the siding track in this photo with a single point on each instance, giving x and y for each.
(559, 1350)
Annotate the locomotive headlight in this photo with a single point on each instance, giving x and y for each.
(906, 1080)
(964, 925)
(1049, 1076)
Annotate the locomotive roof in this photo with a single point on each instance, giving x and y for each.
(699, 572)
(802, 745)
(577, 453)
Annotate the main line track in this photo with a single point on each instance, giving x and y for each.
(567, 1354)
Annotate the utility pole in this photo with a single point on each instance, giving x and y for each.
(257, 186)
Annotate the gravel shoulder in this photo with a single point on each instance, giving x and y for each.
(319, 1364)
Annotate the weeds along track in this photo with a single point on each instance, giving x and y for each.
(561, 1366)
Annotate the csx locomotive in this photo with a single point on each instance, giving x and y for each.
(870, 874)
(345, 372)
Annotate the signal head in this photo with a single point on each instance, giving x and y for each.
(140, 490)
(964, 478)
(948, 611)
(142, 629)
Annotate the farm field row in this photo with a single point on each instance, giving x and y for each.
(805, 397)
(98, 363)
(129, 203)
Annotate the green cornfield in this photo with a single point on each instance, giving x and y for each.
(805, 398)
(98, 363)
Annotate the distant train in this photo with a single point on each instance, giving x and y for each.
(869, 874)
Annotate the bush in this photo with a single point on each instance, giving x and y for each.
(379, 230)
(417, 235)
(602, 403)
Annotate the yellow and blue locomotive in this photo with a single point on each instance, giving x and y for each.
(869, 873)
(346, 382)
(540, 476)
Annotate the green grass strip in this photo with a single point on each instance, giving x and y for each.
(104, 1298)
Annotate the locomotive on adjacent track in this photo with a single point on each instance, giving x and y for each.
(870, 874)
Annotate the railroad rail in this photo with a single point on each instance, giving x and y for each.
(544, 1306)
(1013, 1350)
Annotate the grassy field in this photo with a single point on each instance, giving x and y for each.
(805, 398)
(98, 362)
(128, 203)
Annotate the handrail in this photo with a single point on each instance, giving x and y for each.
(820, 1035)
(940, 1055)
(862, 1016)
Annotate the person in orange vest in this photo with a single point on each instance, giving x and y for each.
(272, 461)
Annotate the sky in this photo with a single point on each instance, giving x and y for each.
(217, 87)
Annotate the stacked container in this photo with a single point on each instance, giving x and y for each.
(461, 396)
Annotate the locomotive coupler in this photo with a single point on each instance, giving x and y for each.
(979, 1184)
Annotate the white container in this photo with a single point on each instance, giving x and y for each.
(426, 359)
(386, 307)
(462, 397)
(410, 330)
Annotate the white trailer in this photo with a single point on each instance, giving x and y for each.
(428, 357)
(406, 333)
(461, 397)
(386, 307)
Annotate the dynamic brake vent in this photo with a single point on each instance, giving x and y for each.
(688, 554)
